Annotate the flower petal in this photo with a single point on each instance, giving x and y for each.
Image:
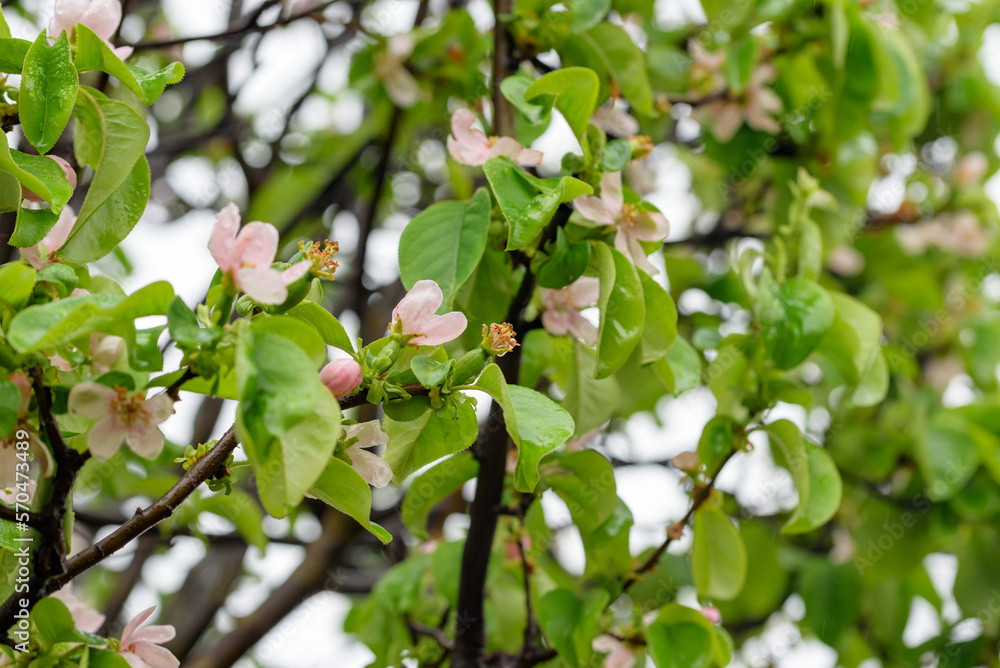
(91, 400)
(530, 157)
(461, 127)
(418, 306)
(295, 272)
(256, 246)
(103, 17)
(583, 292)
(369, 434)
(160, 407)
(593, 208)
(441, 329)
(582, 329)
(57, 236)
(611, 192)
(135, 623)
(155, 656)
(106, 437)
(145, 441)
(556, 322)
(223, 239)
(263, 285)
(651, 226)
(155, 633)
(401, 87)
(506, 146)
(32, 256)
(370, 466)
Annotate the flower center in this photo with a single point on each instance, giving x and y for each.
(490, 141)
(629, 215)
(128, 408)
(321, 256)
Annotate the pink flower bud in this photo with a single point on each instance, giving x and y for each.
(70, 176)
(711, 613)
(341, 377)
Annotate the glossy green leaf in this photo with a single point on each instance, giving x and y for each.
(185, 328)
(853, 339)
(12, 54)
(93, 53)
(48, 325)
(718, 440)
(680, 368)
(589, 401)
(585, 480)
(566, 262)
(678, 639)
(329, 327)
(588, 13)
(298, 331)
(659, 330)
(543, 426)
(794, 319)
(43, 176)
(718, 556)
(816, 477)
(625, 62)
(570, 623)
(574, 94)
(419, 435)
(16, 283)
(343, 488)
(31, 226)
(112, 221)
(622, 310)
(48, 91)
(444, 243)
(111, 138)
(433, 485)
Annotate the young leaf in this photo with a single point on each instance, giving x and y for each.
(110, 137)
(816, 477)
(622, 310)
(433, 485)
(794, 319)
(329, 328)
(16, 283)
(48, 91)
(680, 638)
(41, 175)
(343, 488)
(718, 556)
(574, 90)
(107, 226)
(444, 243)
(419, 435)
(93, 53)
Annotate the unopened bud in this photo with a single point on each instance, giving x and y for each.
(341, 377)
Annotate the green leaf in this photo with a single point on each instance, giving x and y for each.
(10, 193)
(574, 94)
(10, 404)
(536, 424)
(566, 262)
(853, 339)
(32, 225)
(329, 327)
(48, 91)
(718, 439)
(590, 401)
(43, 176)
(570, 623)
(625, 62)
(185, 328)
(585, 480)
(287, 421)
(679, 639)
(52, 623)
(48, 325)
(526, 203)
(429, 372)
(419, 435)
(298, 331)
(434, 484)
(718, 556)
(680, 369)
(93, 53)
(343, 488)
(94, 237)
(946, 456)
(616, 156)
(12, 54)
(16, 283)
(110, 137)
(444, 243)
(588, 13)
(794, 318)
(816, 477)
(660, 327)
(622, 310)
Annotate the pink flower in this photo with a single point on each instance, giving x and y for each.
(415, 316)
(562, 309)
(341, 376)
(390, 68)
(21, 432)
(121, 416)
(245, 255)
(756, 106)
(67, 170)
(84, 617)
(105, 350)
(711, 613)
(619, 656)
(43, 254)
(369, 466)
(472, 147)
(615, 121)
(101, 16)
(141, 647)
(634, 224)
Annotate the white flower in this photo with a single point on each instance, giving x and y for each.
(368, 465)
(121, 416)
